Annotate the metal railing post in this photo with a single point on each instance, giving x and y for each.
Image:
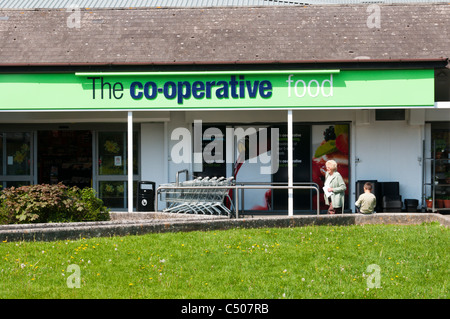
(236, 203)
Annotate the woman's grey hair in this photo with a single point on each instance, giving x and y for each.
(332, 164)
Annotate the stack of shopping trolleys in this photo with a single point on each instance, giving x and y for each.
(202, 195)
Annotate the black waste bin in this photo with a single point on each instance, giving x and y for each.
(146, 196)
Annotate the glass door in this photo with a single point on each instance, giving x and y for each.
(112, 168)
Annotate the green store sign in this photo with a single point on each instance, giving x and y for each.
(217, 90)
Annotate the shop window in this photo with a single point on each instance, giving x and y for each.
(440, 141)
(112, 169)
(15, 159)
(1, 154)
(18, 155)
(301, 140)
(65, 156)
(17, 183)
(215, 167)
(112, 153)
(313, 145)
(115, 193)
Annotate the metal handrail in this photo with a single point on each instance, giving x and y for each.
(239, 187)
(276, 183)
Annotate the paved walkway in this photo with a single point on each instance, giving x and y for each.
(122, 224)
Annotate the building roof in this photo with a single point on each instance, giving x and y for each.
(230, 35)
(62, 4)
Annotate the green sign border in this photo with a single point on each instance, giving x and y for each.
(207, 90)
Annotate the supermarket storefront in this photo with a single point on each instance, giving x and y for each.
(75, 128)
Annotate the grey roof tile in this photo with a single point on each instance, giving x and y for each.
(224, 35)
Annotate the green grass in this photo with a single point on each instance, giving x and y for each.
(304, 262)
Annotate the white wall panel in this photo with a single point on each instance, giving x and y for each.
(153, 163)
(390, 151)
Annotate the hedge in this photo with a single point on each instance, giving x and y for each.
(46, 203)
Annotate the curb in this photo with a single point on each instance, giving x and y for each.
(122, 224)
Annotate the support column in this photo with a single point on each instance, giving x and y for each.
(130, 161)
(290, 164)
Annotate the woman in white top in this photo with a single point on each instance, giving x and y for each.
(334, 188)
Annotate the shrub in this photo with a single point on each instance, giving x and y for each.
(50, 203)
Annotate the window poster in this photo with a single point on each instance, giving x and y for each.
(329, 142)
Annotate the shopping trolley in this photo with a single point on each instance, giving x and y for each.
(202, 195)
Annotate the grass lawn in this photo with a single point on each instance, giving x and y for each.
(304, 262)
